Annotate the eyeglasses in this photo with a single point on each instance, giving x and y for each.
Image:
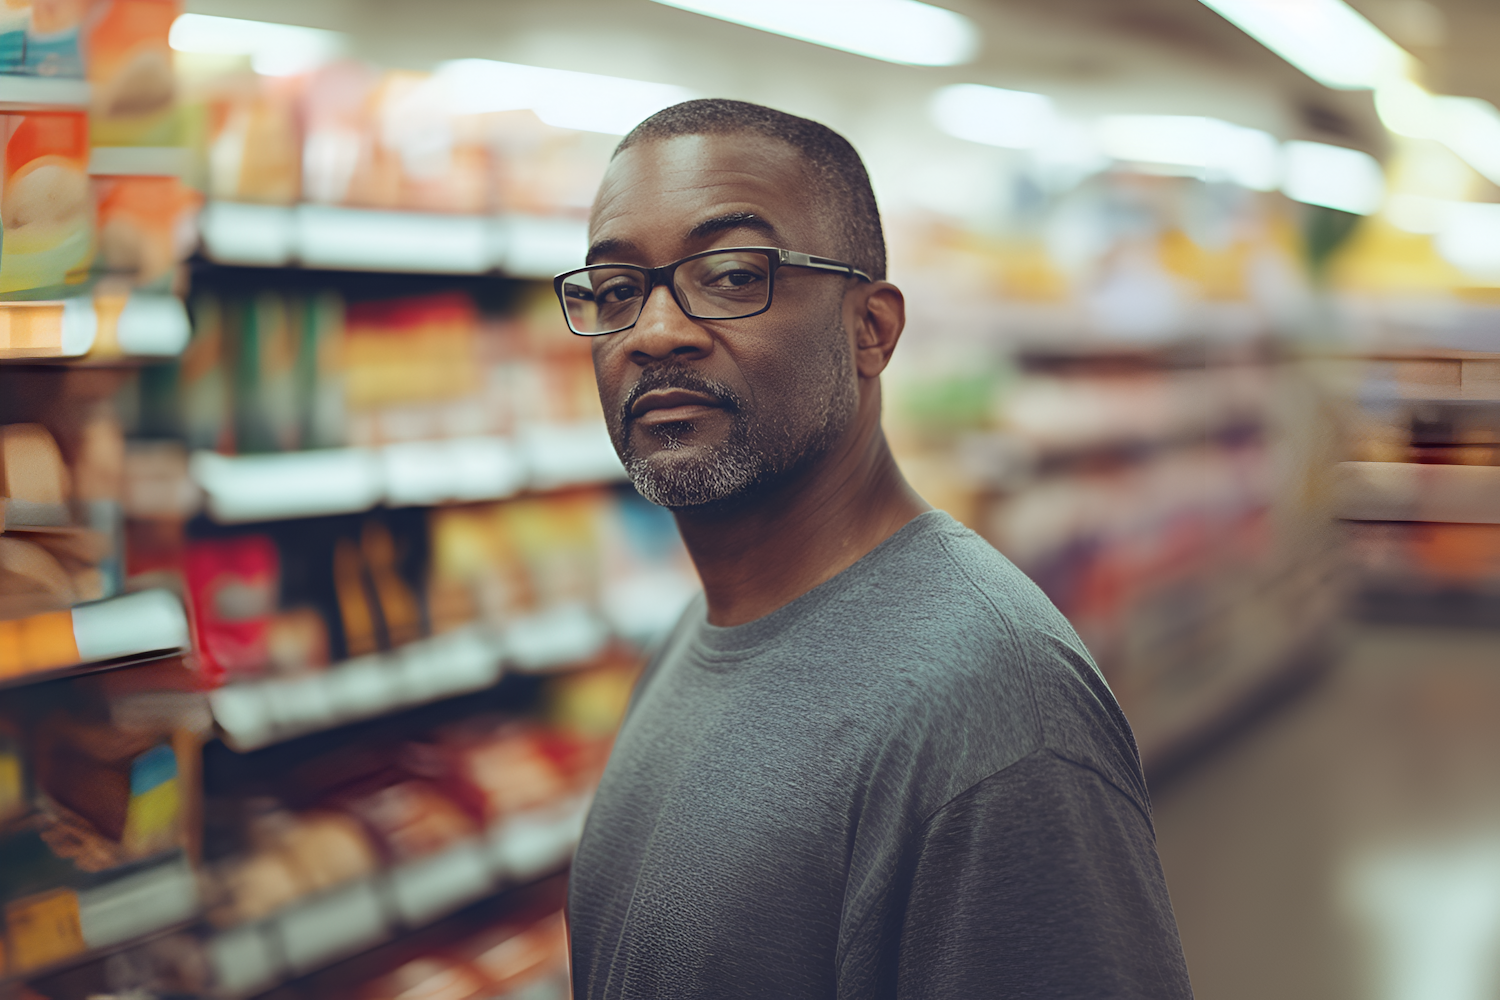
(733, 283)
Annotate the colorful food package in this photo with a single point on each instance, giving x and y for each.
(42, 37)
(493, 770)
(529, 959)
(504, 560)
(400, 355)
(15, 800)
(145, 227)
(31, 579)
(33, 477)
(233, 585)
(130, 68)
(389, 141)
(292, 856)
(297, 641)
(254, 146)
(124, 783)
(47, 206)
(409, 817)
(435, 977)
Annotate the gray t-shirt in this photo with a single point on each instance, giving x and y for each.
(909, 782)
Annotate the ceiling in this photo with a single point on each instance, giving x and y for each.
(1092, 56)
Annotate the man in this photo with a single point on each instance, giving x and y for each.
(873, 760)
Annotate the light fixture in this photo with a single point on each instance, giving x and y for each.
(274, 49)
(1204, 147)
(564, 98)
(1326, 39)
(898, 31)
(1470, 239)
(1333, 177)
(1012, 119)
(1467, 125)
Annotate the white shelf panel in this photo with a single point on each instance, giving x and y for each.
(48, 91)
(144, 622)
(356, 239)
(258, 713)
(348, 480)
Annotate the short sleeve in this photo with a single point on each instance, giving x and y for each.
(1040, 881)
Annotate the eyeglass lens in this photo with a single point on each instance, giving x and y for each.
(725, 285)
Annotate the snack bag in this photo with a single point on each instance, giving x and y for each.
(130, 67)
(46, 205)
(41, 37)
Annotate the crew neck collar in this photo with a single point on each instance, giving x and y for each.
(717, 642)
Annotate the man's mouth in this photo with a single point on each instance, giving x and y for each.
(666, 406)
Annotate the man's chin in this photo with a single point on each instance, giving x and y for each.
(693, 476)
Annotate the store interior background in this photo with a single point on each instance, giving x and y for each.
(1208, 346)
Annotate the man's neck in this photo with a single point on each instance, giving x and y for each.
(757, 558)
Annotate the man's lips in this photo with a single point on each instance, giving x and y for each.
(664, 406)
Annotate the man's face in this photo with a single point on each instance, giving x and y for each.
(709, 411)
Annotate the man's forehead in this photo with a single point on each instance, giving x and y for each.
(690, 188)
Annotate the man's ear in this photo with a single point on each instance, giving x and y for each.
(880, 316)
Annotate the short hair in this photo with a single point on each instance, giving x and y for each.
(836, 168)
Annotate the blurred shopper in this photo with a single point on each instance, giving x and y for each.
(873, 760)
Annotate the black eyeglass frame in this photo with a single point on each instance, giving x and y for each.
(665, 275)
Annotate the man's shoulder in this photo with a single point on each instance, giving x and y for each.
(983, 660)
(946, 581)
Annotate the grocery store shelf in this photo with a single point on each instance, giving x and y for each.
(348, 480)
(257, 714)
(335, 924)
(102, 635)
(146, 328)
(355, 239)
(1400, 491)
(113, 914)
(47, 330)
(50, 91)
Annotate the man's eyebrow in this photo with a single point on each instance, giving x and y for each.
(609, 248)
(731, 220)
(620, 249)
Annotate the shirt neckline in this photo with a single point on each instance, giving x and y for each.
(737, 642)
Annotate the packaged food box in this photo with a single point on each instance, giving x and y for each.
(130, 68)
(47, 208)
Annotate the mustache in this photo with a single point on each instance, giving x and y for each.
(678, 376)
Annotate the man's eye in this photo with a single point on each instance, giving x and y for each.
(619, 293)
(733, 279)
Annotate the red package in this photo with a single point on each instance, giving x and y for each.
(232, 586)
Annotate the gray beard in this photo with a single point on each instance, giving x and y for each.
(759, 450)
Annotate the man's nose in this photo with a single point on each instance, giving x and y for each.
(664, 331)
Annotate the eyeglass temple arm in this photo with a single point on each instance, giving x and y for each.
(821, 263)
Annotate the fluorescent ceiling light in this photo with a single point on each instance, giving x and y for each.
(1467, 125)
(898, 31)
(274, 49)
(1417, 213)
(1333, 177)
(1326, 39)
(584, 101)
(1470, 239)
(1013, 119)
(1205, 146)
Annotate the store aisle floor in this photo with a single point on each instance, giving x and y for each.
(1349, 845)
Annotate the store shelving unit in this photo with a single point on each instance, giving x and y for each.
(121, 631)
(336, 924)
(356, 239)
(326, 481)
